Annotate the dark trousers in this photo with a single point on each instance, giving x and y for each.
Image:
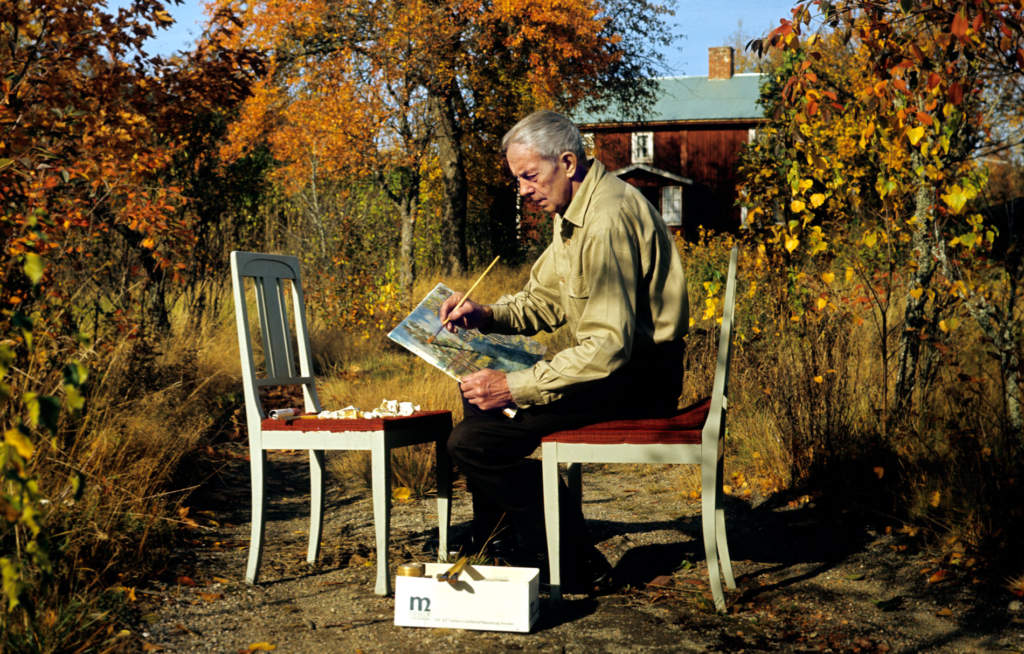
(492, 451)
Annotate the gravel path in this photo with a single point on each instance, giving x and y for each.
(809, 579)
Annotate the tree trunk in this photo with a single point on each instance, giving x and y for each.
(406, 259)
(449, 146)
(914, 319)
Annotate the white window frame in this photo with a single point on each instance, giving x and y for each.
(672, 205)
(641, 147)
(588, 143)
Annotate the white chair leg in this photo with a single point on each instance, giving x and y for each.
(723, 549)
(257, 461)
(549, 471)
(381, 488)
(444, 498)
(708, 511)
(316, 503)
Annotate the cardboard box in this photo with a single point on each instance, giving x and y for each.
(485, 597)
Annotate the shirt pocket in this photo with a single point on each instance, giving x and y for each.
(577, 295)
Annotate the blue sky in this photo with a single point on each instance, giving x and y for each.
(698, 25)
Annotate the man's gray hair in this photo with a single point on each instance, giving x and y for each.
(548, 133)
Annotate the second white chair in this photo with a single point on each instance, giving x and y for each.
(287, 361)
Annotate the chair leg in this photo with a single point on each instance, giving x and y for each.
(549, 471)
(257, 462)
(444, 498)
(380, 465)
(316, 503)
(723, 549)
(708, 513)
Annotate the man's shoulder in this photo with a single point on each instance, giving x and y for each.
(615, 199)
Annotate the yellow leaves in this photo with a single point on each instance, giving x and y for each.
(821, 303)
(956, 197)
(33, 267)
(949, 325)
(818, 379)
(19, 440)
(828, 277)
(915, 134)
(163, 17)
(797, 206)
(402, 493)
(916, 293)
(870, 238)
(710, 309)
(791, 242)
(817, 200)
(148, 243)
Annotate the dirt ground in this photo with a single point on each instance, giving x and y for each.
(809, 579)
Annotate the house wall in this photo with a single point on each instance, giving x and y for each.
(706, 153)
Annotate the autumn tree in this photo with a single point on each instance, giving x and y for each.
(94, 230)
(389, 91)
(934, 75)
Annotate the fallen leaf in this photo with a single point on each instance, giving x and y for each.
(939, 575)
(261, 647)
(944, 613)
(184, 580)
(211, 597)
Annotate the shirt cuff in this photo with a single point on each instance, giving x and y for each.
(522, 384)
(500, 315)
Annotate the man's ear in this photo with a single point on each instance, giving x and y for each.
(568, 163)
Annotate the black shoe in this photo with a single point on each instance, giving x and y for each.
(593, 576)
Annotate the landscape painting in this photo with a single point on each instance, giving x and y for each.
(466, 351)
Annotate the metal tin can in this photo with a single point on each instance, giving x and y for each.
(411, 570)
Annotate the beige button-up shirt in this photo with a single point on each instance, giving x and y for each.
(613, 275)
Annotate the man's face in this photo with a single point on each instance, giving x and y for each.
(545, 183)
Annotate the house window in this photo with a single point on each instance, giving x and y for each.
(642, 149)
(672, 205)
(588, 144)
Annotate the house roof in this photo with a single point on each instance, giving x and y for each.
(690, 99)
(640, 168)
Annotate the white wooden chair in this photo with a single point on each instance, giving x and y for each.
(694, 435)
(287, 361)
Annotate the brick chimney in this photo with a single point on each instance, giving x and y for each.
(720, 62)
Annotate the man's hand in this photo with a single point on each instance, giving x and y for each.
(486, 389)
(469, 316)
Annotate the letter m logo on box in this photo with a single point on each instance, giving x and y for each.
(419, 604)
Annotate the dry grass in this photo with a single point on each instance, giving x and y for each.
(804, 400)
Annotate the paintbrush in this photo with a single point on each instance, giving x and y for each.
(464, 298)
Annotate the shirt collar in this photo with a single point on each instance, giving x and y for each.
(577, 209)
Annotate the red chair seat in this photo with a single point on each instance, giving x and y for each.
(419, 420)
(682, 428)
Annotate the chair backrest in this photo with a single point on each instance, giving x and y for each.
(714, 428)
(287, 360)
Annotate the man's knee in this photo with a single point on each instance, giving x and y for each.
(459, 440)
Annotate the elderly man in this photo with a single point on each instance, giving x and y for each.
(613, 276)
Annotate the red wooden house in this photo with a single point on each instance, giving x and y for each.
(684, 154)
